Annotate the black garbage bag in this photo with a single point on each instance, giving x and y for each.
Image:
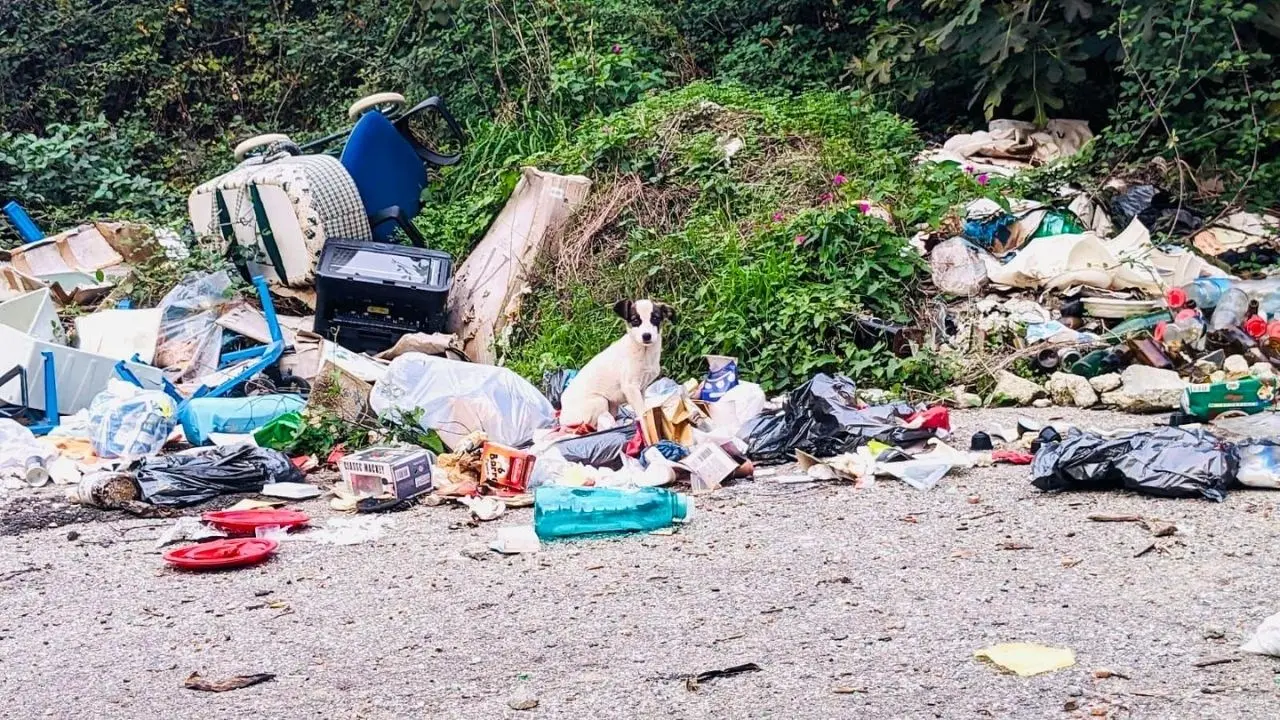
(768, 438)
(1155, 209)
(554, 382)
(1167, 462)
(182, 480)
(599, 449)
(822, 418)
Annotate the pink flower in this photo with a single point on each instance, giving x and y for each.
(778, 216)
(616, 49)
(826, 198)
(800, 239)
(983, 179)
(839, 180)
(864, 207)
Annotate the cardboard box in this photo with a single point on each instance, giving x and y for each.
(506, 467)
(709, 465)
(403, 472)
(674, 420)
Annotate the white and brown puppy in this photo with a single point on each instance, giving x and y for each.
(622, 371)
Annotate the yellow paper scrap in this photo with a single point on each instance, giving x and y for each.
(1027, 659)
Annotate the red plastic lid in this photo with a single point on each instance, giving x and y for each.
(222, 553)
(1273, 329)
(1255, 326)
(1158, 331)
(246, 521)
(1176, 297)
(1187, 313)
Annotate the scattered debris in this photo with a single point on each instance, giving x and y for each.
(693, 683)
(195, 681)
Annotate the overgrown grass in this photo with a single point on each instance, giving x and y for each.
(766, 251)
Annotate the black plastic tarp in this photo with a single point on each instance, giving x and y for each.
(1167, 462)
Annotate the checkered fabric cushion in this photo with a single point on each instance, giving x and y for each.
(300, 200)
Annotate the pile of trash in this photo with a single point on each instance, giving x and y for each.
(1111, 320)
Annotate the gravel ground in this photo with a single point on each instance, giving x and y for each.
(854, 603)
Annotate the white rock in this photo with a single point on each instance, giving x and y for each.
(1236, 366)
(1147, 389)
(1262, 370)
(1067, 389)
(1105, 383)
(1011, 389)
(965, 399)
(1042, 403)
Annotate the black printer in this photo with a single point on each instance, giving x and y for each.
(368, 294)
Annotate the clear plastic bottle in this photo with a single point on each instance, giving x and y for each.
(1204, 292)
(561, 512)
(1231, 309)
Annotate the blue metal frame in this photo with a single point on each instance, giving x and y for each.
(51, 416)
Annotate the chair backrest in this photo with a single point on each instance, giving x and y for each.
(386, 168)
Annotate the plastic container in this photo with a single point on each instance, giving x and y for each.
(202, 416)
(562, 512)
(1230, 311)
(1204, 292)
(1186, 332)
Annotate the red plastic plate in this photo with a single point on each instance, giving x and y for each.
(244, 522)
(222, 553)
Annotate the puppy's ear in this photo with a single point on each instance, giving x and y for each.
(622, 309)
(665, 311)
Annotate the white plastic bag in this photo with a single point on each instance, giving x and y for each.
(457, 398)
(957, 268)
(1266, 639)
(1259, 465)
(741, 403)
(18, 445)
(131, 422)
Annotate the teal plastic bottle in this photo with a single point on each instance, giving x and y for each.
(562, 512)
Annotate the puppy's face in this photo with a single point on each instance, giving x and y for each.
(644, 319)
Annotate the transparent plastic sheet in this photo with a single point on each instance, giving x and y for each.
(190, 340)
(457, 398)
(186, 479)
(822, 418)
(1168, 462)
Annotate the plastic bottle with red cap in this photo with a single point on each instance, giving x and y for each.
(1204, 292)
